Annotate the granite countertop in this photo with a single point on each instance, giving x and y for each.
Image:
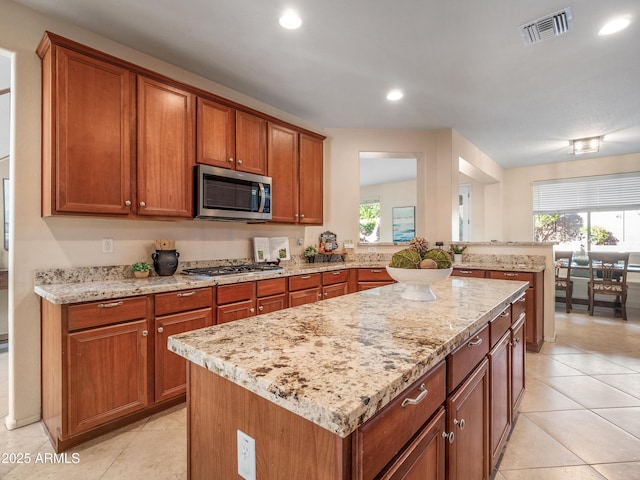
(339, 361)
(521, 267)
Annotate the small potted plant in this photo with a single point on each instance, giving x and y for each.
(310, 253)
(457, 251)
(141, 269)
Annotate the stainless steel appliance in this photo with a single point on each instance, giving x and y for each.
(233, 270)
(222, 194)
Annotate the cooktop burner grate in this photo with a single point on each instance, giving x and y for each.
(233, 269)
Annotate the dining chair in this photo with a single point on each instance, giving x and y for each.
(563, 277)
(608, 276)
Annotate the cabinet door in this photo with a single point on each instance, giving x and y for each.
(336, 290)
(305, 296)
(424, 457)
(310, 176)
(251, 143)
(166, 150)
(235, 311)
(466, 272)
(518, 356)
(171, 369)
(107, 374)
(282, 156)
(216, 134)
(500, 396)
(88, 159)
(272, 304)
(468, 420)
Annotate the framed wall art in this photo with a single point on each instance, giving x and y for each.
(404, 223)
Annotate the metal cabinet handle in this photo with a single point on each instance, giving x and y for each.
(522, 299)
(160, 329)
(239, 162)
(505, 313)
(145, 333)
(326, 294)
(413, 401)
(302, 215)
(261, 308)
(110, 305)
(459, 423)
(375, 270)
(475, 343)
(336, 273)
(510, 274)
(466, 272)
(186, 294)
(230, 160)
(296, 215)
(127, 203)
(305, 277)
(142, 204)
(514, 344)
(319, 295)
(448, 436)
(252, 310)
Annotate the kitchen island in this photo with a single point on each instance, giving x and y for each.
(306, 382)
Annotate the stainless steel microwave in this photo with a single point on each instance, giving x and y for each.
(222, 194)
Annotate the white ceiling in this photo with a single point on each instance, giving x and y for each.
(461, 64)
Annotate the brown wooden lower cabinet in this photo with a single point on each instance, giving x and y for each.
(518, 364)
(302, 297)
(367, 278)
(500, 395)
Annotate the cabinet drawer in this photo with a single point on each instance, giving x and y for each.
(499, 325)
(384, 435)
(468, 272)
(236, 292)
(174, 302)
(107, 312)
(302, 297)
(523, 276)
(369, 285)
(461, 362)
(373, 275)
(235, 311)
(338, 276)
(336, 290)
(271, 304)
(301, 282)
(272, 286)
(518, 307)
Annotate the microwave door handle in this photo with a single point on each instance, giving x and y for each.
(263, 198)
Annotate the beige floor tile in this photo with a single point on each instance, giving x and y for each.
(554, 348)
(173, 419)
(591, 393)
(627, 383)
(153, 457)
(583, 472)
(499, 476)
(626, 418)
(531, 447)
(542, 366)
(619, 471)
(626, 359)
(539, 397)
(590, 364)
(589, 436)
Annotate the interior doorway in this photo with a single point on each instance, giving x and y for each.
(464, 214)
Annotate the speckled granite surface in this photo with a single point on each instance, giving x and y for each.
(339, 361)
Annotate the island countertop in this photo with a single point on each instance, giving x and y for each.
(339, 361)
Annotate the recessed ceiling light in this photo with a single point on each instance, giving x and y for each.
(615, 25)
(586, 145)
(290, 20)
(395, 94)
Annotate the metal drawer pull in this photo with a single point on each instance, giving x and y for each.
(505, 314)
(459, 423)
(465, 271)
(336, 273)
(522, 299)
(305, 277)
(514, 344)
(261, 308)
(448, 436)
(145, 333)
(510, 274)
(376, 271)
(413, 401)
(110, 305)
(160, 329)
(475, 343)
(188, 294)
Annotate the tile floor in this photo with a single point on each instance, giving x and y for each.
(580, 418)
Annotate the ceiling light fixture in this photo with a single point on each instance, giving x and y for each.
(290, 20)
(394, 95)
(615, 26)
(586, 145)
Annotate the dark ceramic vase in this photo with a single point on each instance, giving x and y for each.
(165, 262)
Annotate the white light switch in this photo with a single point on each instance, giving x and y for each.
(246, 456)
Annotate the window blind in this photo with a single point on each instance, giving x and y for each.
(599, 193)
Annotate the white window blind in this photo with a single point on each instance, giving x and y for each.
(601, 193)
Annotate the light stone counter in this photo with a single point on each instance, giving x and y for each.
(339, 361)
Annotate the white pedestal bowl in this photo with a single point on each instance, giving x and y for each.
(418, 281)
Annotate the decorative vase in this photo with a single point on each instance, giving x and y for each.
(457, 258)
(141, 274)
(165, 262)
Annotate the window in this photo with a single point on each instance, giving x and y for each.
(370, 220)
(589, 213)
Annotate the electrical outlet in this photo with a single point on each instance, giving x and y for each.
(300, 242)
(246, 456)
(107, 245)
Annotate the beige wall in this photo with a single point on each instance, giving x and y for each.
(61, 242)
(517, 198)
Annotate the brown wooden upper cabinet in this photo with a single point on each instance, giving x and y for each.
(230, 138)
(87, 128)
(296, 167)
(166, 150)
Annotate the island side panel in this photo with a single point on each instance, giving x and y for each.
(287, 445)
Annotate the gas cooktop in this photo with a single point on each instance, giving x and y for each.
(233, 270)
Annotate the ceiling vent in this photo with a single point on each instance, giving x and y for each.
(546, 27)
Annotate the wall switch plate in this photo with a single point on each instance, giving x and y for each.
(246, 456)
(107, 245)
